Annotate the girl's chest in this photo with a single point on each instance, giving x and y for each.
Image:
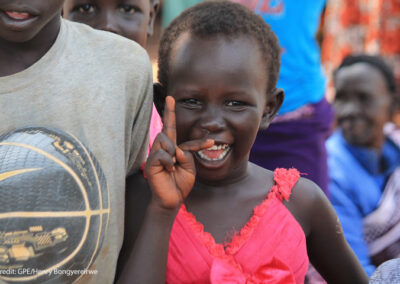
(225, 220)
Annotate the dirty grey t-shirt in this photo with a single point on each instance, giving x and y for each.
(97, 87)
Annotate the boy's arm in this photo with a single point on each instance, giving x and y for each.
(141, 107)
(326, 246)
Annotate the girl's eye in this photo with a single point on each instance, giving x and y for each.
(191, 101)
(128, 9)
(85, 8)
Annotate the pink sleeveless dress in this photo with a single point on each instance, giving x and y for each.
(270, 248)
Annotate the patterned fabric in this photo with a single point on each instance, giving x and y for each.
(364, 26)
(382, 227)
(270, 248)
(387, 273)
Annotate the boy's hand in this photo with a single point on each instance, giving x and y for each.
(170, 169)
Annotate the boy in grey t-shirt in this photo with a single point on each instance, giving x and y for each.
(97, 87)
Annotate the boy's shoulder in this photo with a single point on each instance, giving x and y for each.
(106, 46)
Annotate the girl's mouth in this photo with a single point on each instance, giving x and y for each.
(214, 153)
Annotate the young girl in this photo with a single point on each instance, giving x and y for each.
(214, 217)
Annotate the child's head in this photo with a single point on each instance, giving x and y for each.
(21, 21)
(221, 19)
(365, 98)
(132, 19)
(220, 62)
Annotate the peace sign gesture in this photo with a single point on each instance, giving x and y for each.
(170, 169)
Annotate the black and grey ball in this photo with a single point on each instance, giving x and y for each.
(54, 206)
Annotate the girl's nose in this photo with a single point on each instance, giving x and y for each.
(212, 120)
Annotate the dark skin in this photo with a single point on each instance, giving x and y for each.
(28, 28)
(228, 103)
(133, 19)
(363, 105)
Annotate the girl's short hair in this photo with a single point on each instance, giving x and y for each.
(214, 18)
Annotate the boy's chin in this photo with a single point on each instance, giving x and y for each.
(14, 36)
(17, 38)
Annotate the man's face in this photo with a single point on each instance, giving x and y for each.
(22, 20)
(132, 19)
(362, 104)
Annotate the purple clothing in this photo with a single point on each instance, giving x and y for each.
(298, 143)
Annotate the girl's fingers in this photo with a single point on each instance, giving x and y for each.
(196, 145)
(162, 142)
(184, 158)
(169, 127)
(161, 159)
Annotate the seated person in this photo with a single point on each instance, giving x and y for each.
(363, 162)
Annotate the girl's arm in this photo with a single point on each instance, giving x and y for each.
(171, 173)
(137, 199)
(148, 258)
(327, 248)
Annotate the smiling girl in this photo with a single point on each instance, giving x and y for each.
(213, 216)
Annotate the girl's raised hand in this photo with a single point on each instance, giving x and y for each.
(170, 169)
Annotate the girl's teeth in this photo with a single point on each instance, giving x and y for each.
(203, 153)
(217, 147)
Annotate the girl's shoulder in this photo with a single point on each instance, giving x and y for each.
(304, 199)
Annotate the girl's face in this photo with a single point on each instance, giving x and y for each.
(132, 19)
(219, 85)
(362, 104)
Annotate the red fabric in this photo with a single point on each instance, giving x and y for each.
(270, 248)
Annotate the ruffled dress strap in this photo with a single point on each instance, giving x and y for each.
(285, 180)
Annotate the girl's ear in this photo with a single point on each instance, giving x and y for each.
(273, 104)
(155, 4)
(159, 96)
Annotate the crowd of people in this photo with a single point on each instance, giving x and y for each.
(260, 153)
